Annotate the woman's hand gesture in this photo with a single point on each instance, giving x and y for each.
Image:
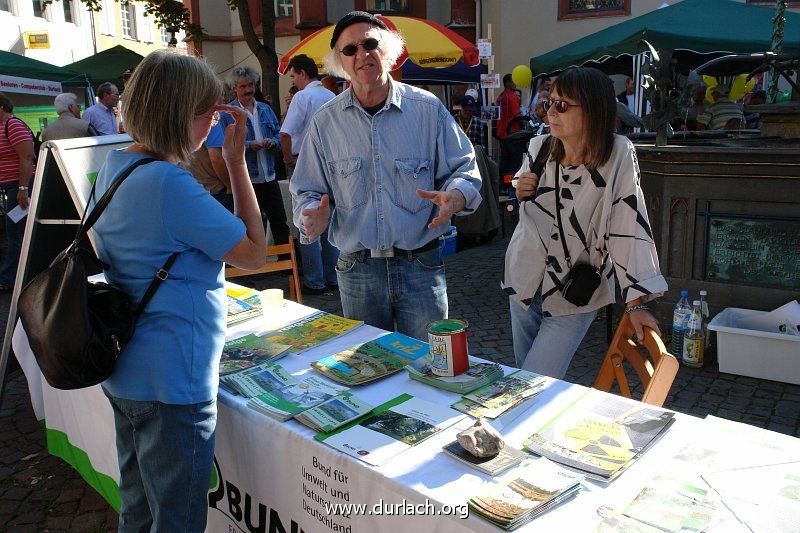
(235, 134)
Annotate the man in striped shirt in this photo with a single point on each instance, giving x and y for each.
(723, 114)
(16, 170)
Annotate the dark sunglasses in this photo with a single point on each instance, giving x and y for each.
(560, 105)
(368, 44)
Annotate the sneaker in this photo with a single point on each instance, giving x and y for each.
(333, 287)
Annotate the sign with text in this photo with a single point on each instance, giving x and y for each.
(758, 252)
(490, 81)
(14, 84)
(484, 48)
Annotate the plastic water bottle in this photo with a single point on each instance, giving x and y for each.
(679, 316)
(704, 312)
(693, 349)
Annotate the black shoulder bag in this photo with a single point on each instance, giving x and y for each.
(582, 279)
(77, 328)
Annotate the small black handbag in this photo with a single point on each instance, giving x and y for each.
(582, 279)
(76, 328)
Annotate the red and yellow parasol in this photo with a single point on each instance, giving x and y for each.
(428, 44)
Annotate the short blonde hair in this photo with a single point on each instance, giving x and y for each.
(391, 43)
(164, 95)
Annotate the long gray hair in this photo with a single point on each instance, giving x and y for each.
(391, 43)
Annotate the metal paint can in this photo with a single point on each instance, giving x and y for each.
(447, 340)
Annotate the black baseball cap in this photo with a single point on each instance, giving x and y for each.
(354, 17)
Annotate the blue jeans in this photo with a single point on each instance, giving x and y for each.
(14, 233)
(546, 344)
(401, 293)
(166, 453)
(319, 262)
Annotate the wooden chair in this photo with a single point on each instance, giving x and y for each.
(287, 261)
(656, 368)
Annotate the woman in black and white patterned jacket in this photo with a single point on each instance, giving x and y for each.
(604, 223)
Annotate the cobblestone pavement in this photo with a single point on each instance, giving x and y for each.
(39, 492)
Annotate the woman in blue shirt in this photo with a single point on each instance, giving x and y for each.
(164, 386)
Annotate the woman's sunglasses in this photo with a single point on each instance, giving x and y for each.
(368, 44)
(560, 105)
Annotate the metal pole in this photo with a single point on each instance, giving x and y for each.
(776, 47)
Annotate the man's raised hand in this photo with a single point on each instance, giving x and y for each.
(315, 219)
(449, 202)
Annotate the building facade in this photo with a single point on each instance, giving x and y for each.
(58, 33)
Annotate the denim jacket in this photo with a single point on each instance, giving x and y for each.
(270, 128)
(371, 168)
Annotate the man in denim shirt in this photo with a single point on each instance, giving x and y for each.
(383, 168)
(263, 141)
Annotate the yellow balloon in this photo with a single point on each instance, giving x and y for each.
(709, 81)
(740, 87)
(522, 76)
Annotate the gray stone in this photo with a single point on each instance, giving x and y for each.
(481, 440)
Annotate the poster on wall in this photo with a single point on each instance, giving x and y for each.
(490, 81)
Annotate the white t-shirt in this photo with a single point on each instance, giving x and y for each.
(304, 104)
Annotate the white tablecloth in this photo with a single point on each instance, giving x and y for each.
(274, 475)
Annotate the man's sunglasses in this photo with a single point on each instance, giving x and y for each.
(560, 105)
(368, 44)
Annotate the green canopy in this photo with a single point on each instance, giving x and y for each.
(703, 26)
(108, 65)
(24, 67)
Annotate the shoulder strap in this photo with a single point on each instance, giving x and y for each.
(560, 224)
(88, 222)
(160, 276)
(558, 216)
(537, 165)
(102, 203)
(23, 123)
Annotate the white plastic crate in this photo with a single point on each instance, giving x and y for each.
(755, 353)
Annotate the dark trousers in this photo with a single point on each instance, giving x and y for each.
(270, 202)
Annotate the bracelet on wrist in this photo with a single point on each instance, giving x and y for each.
(23, 188)
(640, 307)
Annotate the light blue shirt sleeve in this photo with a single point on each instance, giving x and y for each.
(306, 193)
(456, 167)
(202, 222)
(216, 136)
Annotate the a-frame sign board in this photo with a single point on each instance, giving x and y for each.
(60, 190)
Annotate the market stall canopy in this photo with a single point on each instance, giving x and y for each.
(24, 67)
(458, 73)
(697, 26)
(428, 45)
(108, 65)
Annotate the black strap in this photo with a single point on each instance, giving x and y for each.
(102, 203)
(100, 206)
(560, 224)
(537, 165)
(160, 276)
(558, 216)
